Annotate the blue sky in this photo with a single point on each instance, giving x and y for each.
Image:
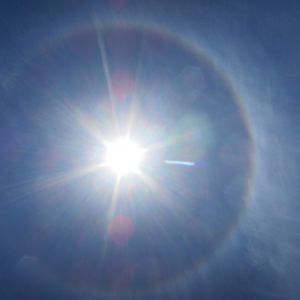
(208, 84)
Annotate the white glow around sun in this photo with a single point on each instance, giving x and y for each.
(123, 156)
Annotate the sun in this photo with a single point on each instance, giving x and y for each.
(123, 156)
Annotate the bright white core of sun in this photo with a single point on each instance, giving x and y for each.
(123, 156)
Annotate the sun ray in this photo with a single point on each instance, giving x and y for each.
(111, 211)
(114, 198)
(134, 104)
(90, 125)
(104, 59)
(65, 177)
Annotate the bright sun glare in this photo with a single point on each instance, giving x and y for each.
(123, 156)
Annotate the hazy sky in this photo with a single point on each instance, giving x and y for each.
(210, 89)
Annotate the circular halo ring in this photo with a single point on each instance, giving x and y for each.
(73, 31)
